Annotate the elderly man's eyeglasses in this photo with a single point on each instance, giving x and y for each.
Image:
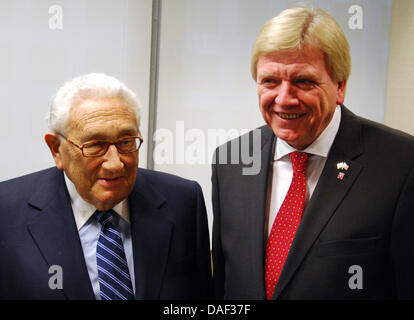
(98, 148)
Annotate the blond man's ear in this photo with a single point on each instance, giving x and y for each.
(340, 96)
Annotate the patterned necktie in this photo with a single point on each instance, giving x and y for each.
(113, 273)
(286, 223)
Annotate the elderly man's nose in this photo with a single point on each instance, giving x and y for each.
(112, 159)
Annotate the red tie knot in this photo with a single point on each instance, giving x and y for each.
(299, 160)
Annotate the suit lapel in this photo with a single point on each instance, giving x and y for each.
(151, 235)
(255, 212)
(55, 233)
(328, 194)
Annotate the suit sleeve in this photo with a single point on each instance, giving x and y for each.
(205, 289)
(218, 259)
(402, 244)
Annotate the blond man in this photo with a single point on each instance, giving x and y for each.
(329, 215)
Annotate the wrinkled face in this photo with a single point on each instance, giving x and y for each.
(297, 96)
(106, 180)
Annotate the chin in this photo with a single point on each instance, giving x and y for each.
(287, 135)
(108, 203)
(106, 206)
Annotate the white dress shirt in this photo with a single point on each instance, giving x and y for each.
(89, 229)
(281, 171)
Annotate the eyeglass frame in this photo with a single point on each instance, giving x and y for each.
(81, 147)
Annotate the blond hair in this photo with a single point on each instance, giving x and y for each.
(292, 28)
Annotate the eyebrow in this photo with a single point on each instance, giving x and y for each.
(304, 74)
(102, 136)
(265, 75)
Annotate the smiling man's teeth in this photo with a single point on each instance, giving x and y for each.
(288, 116)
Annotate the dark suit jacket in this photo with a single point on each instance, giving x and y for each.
(366, 219)
(169, 238)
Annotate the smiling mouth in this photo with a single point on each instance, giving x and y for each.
(290, 116)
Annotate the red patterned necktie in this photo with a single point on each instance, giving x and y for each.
(286, 223)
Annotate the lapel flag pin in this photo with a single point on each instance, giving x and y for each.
(342, 166)
(340, 175)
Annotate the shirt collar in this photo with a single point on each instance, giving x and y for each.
(83, 210)
(320, 146)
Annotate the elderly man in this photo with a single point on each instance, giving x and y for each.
(96, 226)
(330, 214)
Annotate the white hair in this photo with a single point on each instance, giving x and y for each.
(88, 86)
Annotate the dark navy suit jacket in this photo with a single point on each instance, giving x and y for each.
(366, 220)
(169, 238)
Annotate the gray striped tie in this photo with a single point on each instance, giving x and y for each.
(113, 272)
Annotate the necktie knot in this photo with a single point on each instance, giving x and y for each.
(105, 217)
(299, 160)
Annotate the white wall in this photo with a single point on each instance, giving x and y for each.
(204, 76)
(400, 93)
(36, 58)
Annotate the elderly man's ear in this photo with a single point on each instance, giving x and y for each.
(53, 142)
